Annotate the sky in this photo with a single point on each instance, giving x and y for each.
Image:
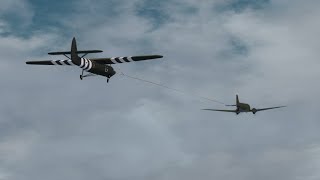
(55, 126)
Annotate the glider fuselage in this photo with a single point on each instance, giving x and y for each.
(96, 68)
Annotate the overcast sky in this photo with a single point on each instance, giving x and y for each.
(54, 126)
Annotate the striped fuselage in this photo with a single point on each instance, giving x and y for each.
(96, 68)
(89, 66)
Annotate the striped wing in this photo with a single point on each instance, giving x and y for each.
(52, 62)
(117, 60)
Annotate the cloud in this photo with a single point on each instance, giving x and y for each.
(55, 126)
(16, 13)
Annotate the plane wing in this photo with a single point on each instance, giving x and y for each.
(113, 60)
(117, 60)
(52, 62)
(263, 109)
(221, 110)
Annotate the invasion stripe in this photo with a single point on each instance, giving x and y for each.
(58, 62)
(113, 60)
(82, 63)
(54, 62)
(62, 63)
(126, 59)
(86, 64)
(130, 59)
(90, 65)
(67, 62)
(117, 59)
(122, 60)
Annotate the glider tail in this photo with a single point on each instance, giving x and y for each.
(74, 55)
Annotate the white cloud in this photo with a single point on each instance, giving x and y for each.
(127, 129)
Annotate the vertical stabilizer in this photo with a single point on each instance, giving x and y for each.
(237, 99)
(74, 55)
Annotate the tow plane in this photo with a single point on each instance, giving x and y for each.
(242, 107)
(94, 66)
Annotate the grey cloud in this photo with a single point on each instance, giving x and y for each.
(15, 14)
(55, 126)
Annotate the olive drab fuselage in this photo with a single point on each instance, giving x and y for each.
(242, 107)
(96, 68)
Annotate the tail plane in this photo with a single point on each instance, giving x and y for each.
(74, 52)
(237, 100)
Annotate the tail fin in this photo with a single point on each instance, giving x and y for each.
(237, 99)
(74, 55)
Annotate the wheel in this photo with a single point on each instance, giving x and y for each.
(81, 77)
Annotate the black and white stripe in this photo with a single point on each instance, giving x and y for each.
(63, 63)
(85, 64)
(117, 60)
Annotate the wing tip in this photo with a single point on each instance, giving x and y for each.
(155, 56)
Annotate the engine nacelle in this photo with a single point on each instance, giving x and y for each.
(254, 110)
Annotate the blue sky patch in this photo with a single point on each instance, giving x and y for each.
(240, 5)
(153, 11)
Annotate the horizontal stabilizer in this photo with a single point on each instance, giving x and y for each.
(78, 52)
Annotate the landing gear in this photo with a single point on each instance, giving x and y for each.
(108, 78)
(86, 75)
(81, 75)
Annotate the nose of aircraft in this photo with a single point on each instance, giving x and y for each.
(113, 72)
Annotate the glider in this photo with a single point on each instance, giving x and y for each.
(94, 66)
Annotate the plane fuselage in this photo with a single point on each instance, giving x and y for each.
(242, 107)
(101, 69)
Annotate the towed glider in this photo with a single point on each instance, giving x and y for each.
(94, 66)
